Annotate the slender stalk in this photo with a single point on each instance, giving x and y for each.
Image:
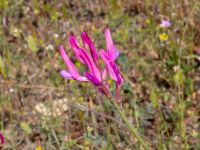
(131, 128)
(54, 134)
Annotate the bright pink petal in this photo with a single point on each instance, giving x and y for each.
(112, 52)
(75, 48)
(119, 82)
(72, 69)
(108, 63)
(66, 74)
(119, 77)
(87, 42)
(93, 79)
(90, 63)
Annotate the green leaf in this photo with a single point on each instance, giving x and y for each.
(154, 99)
(26, 128)
(32, 43)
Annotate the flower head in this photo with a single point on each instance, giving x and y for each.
(2, 140)
(94, 73)
(165, 24)
(163, 37)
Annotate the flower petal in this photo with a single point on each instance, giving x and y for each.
(112, 52)
(90, 63)
(72, 69)
(87, 42)
(93, 79)
(118, 82)
(165, 24)
(119, 77)
(75, 48)
(65, 74)
(108, 62)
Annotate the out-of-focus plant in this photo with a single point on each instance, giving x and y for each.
(2, 140)
(165, 24)
(95, 73)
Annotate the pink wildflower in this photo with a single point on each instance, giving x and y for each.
(94, 74)
(165, 24)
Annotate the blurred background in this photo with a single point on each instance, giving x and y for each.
(160, 67)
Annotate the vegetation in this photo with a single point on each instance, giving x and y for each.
(160, 67)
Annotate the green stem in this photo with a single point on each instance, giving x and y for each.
(132, 129)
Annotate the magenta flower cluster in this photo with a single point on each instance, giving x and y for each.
(89, 56)
(2, 140)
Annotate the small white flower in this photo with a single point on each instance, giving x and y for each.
(50, 47)
(56, 35)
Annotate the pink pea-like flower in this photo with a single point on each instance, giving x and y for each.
(89, 56)
(165, 24)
